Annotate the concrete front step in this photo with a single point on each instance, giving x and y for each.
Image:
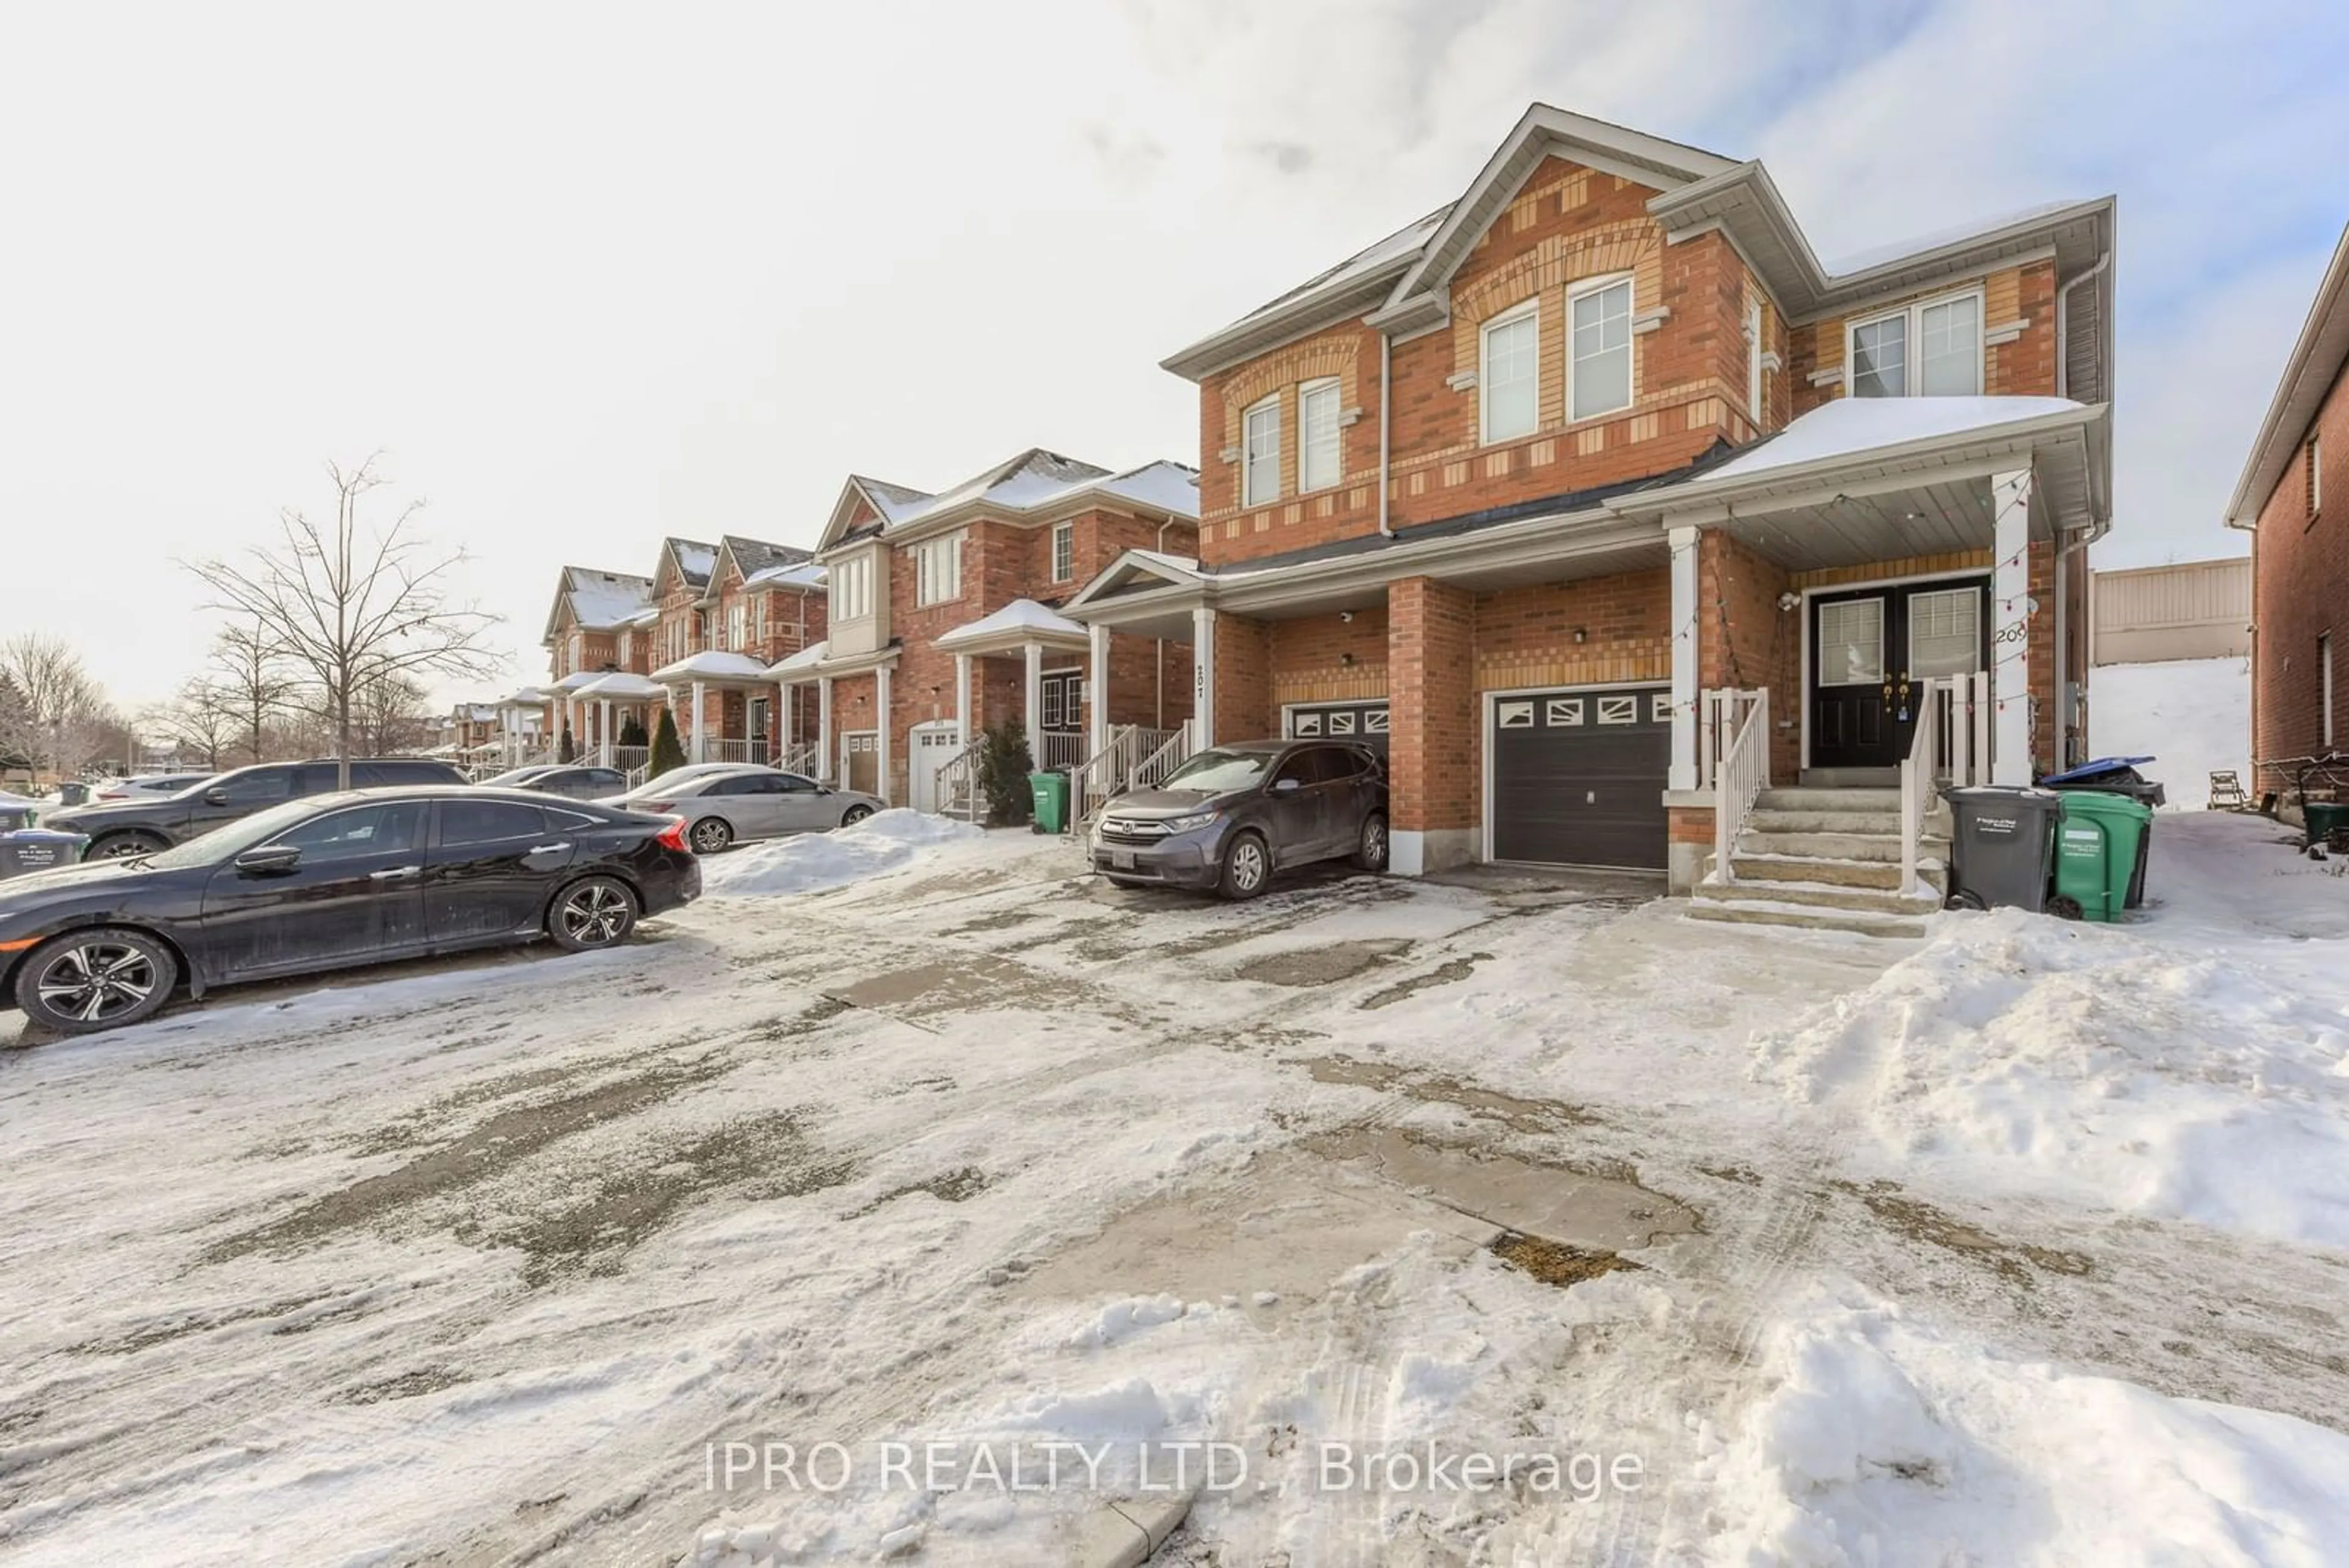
(1824, 895)
(1802, 916)
(1840, 846)
(1777, 819)
(1872, 874)
(1813, 798)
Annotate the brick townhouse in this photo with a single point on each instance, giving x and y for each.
(943, 619)
(2292, 498)
(1554, 492)
(695, 638)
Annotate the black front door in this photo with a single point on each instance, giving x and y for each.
(1871, 649)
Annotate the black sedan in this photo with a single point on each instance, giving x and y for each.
(141, 826)
(574, 781)
(332, 881)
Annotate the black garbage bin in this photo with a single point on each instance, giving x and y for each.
(2003, 845)
(39, 850)
(2118, 775)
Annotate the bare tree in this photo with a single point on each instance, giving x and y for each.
(17, 738)
(204, 718)
(391, 716)
(347, 608)
(63, 706)
(248, 668)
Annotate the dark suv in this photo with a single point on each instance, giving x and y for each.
(1232, 815)
(143, 826)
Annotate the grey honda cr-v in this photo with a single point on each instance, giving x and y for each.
(1232, 815)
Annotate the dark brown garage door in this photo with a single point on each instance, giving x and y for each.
(1578, 776)
(1363, 722)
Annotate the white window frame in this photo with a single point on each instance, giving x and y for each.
(1912, 362)
(1583, 290)
(937, 569)
(852, 589)
(1064, 552)
(1252, 465)
(1529, 310)
(1320, 461)
(738, 626)
(1754, 361)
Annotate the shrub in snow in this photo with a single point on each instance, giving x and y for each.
(668, 751)
(631, 732)
(565, 751)
(1004, 764)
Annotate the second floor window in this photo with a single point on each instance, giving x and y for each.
(1318, 460)
(1509, 376)
(1599, 374)
(1064, 552)
(737, 627)
(852, 589)
(627, 649)
(2315, 479)
(1260, 452)
(938, 570)
(1754, 360)
(1932, 349)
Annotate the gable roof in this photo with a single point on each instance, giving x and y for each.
(885, 501)
(596, 600)
(1030, 483)
(1400, 284)
(2318, 356)
(690, 559)
(753, 556)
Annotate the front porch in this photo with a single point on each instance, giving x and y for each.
(725, 704)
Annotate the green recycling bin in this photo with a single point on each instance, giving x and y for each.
(1051, 801)
(2097, 854)
(2326, 819)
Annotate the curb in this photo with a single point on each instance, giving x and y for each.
(1124, 1531)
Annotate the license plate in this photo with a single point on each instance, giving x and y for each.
(1122, 859)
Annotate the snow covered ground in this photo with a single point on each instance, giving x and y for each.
(2017, 1245)
(2194, 715)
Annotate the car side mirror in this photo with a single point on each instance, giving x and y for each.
(824, 789)
(269, 860)
(215, 797)
(1287, 787)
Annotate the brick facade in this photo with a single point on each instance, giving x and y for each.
(2300, 592)
(1433, 724)
(2022, 367)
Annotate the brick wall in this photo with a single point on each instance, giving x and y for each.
(2300, 591)
(1243, 694)
(1432, 720)
(2024, 367)
(1568, 224)
(1335, 657)
(1744, 639)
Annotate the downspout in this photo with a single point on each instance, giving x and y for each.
(1386, 354)
(2063, 323)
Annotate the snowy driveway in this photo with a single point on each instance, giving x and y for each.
(501, 1263)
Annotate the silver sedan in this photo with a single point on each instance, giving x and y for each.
(727, 802)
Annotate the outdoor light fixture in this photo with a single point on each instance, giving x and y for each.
(1582, 634)
(1345, 659)
(1789, 599)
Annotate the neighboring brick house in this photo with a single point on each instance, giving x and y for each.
(594, 628)
(1511, 490)
(942, 620)
(2293, 498)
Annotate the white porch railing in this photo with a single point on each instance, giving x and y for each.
(1172, 754)
(1064, 748)
(629, 759)
(1970, 729)
(1743, 772)
(1719, 712)
(801, 759)
(958, 785)
(725, 751)
(1920, 772)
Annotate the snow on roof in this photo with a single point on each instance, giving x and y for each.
(1167, 487)
(1184, 564)
(578, 677)
(1877, 255)
(1848, 426)
(603, 599)
(897, 501)
(622, 683)
(648, 616)
(807, 657)
(1400, 246)
(1038, 479)
(695, 559)
(713, 664)
(1019, 615)
(801, 575)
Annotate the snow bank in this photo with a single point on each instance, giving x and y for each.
(2019, 1054)
(2192, 715)
(813, 862)
(1885, 1443)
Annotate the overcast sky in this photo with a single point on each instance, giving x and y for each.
(589, 274)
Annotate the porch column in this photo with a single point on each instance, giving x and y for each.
(603, 727)
(1682, 773)
(1034, 703)
(698, 727)
(2010, 619)
(881, 721)
(1203, 676)
(962, 699)
(790, 730)
(823, 730)
(1097, 691)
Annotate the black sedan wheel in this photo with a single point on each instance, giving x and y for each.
(122, 846)
(87, 981)
(711, 834)
(599, 912)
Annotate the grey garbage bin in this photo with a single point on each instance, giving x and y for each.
(14, 815)
(39, 850)
(2004, 845)
(73, 792)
